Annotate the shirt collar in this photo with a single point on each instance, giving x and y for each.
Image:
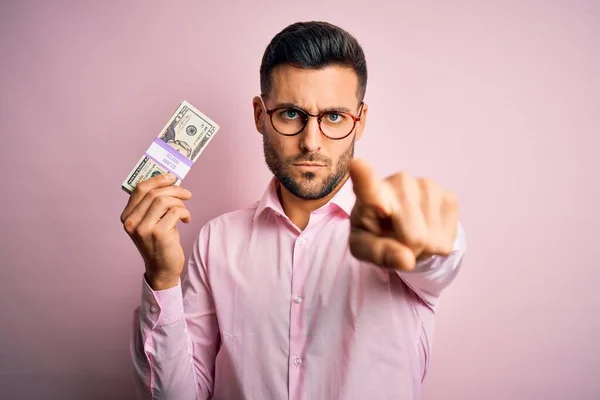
(344, 199)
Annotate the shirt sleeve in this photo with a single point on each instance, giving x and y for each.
(427, 280)
(176, 336)
(433, 274)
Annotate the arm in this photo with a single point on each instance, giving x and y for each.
(176, 335)
(410, 226)
(427, 280)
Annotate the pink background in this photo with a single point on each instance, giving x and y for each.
(498, 102)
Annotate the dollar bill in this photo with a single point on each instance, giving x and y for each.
(176, 148)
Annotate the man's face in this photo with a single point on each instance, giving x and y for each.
(309, 165)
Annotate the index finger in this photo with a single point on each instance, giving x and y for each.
(367, 187)
(143, 188)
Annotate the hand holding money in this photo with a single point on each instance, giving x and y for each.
(150, 218)
(156, 202)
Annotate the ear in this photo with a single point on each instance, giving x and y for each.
(360, 125)
(259, 113)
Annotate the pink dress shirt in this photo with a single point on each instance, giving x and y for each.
(267, 311)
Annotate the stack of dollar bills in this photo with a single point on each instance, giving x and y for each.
(176, 148)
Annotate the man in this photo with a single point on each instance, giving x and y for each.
(325, 288)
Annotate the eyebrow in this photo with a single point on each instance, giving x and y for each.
(324, 110)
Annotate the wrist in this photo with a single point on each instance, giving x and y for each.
(158, 283)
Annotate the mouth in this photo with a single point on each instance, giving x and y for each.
(307, 166)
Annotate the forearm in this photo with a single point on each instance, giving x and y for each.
(163, 362)
(162, 351)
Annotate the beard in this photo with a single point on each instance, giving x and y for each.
(309, 186)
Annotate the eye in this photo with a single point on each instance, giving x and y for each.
(290, 113)
(334, 117)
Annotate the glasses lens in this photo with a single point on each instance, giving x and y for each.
(336, 124)
(288, 121)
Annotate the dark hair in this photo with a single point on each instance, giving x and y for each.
(314, 45)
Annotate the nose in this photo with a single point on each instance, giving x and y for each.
(310, 137)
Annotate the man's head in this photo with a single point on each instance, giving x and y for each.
(311, 68)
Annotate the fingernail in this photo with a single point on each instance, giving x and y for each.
(169, 176)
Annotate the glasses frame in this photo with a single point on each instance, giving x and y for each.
(319, 117)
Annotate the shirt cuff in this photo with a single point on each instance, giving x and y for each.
(161, 307)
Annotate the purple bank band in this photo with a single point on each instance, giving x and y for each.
(169, 158)
(174, 152)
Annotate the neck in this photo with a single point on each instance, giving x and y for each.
(298, 210)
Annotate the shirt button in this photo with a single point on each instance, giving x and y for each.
(297, 361)
(297, 299)
(153, 308)
(301, 242)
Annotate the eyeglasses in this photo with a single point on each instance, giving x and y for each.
(335, 125)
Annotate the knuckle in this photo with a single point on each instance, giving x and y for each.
(141, 231)
(428, 186)
(175, 204)
(129, 225)
(157, 234)
(160, 200)
(142, 187)
(399, 178)
(153, 193)
(404, 186)
(417, 240)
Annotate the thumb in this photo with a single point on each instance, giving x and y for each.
(367, 187)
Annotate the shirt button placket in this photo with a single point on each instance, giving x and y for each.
(297, 328)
